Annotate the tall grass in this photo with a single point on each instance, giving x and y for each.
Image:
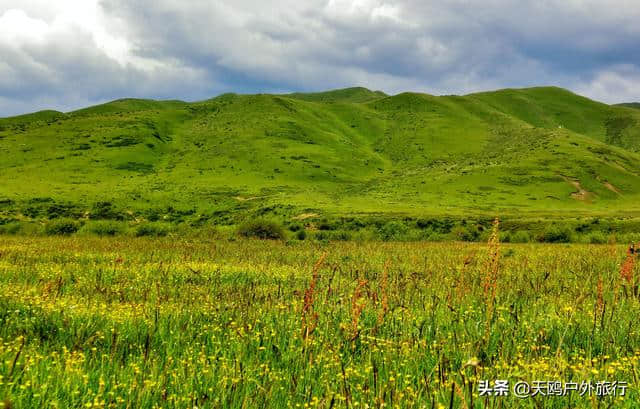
(176, 323)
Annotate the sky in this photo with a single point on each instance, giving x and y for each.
(68, 54)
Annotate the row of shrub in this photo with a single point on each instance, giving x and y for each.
(398, 231)
(106, 228)
(48, 208)
(268, 229)
(66, 227)
(106, 218)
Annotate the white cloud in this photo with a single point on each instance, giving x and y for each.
(70, 18)
(17, 28)
(69, 52)
(616, 84)
(368, 9)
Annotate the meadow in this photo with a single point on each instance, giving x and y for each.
(177, 322)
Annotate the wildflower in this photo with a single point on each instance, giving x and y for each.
(626, 271)
(309, 316)
(491, 273)
(356, 308)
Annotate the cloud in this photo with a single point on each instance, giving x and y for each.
(67, 57)
(615, 84)
(73, 52)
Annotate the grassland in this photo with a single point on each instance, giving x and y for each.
(150, 323)
(631, 105)
(525, 154)
(359, 302)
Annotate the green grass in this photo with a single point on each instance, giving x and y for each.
(631, 105)
(537, 152)
(165, 322)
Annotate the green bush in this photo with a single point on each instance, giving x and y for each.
(556, 235)
(597, 238)
(104, 211)
(262, 229)
(153, 215)
(341, 235)
(322, 236)
(465, 233)
(61, 227)
(295, 227)
(325, 225)
(301, 234)
(355, 224)
(393, 231)
(103, 228)
(153, 229)
(437, 225)
(62, 210)
(520, 237)
(11, 228)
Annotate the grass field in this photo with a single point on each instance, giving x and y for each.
(177, 323)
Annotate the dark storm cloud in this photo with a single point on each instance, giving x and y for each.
(194, 50)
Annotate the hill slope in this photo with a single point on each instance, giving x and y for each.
(518, 151)
(631, 105)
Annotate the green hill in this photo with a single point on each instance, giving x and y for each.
(514, 152)
(356, 94)
(631, 105)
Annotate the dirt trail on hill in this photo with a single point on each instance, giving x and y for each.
(612, 188)
(609, 186)
(304, 216)
(582, 194)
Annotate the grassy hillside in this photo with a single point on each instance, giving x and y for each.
(517, 152)
(631, 105)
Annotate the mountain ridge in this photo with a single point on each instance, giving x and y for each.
(337, 94)
(539, 150)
